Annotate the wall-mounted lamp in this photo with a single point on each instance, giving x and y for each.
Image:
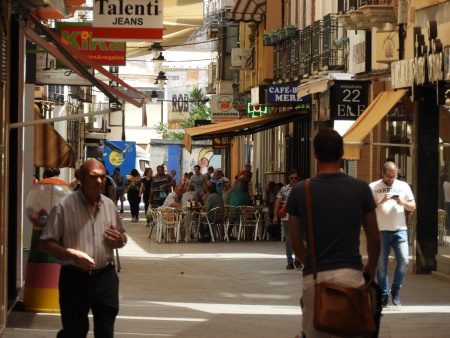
(154, 97)
(161, 79)
(159, 60)
(339, 43)
(156, 49)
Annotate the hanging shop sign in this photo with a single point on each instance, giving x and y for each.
(47, 72)
(128, 20)
(285, 93)
(348, 99)
(79, 35)
(222, 109)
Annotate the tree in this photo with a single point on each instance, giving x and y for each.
(198, 110)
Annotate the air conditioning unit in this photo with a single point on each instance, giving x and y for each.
(236, 57)
(242, 58)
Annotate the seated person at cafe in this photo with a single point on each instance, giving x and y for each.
(191, 195)
(227, 195)
(217, 181)
(214, 200)
(174, 198)
(239, 198)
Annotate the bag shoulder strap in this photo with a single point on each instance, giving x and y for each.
(310, 227)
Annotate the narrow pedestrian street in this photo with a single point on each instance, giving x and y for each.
(229, 289)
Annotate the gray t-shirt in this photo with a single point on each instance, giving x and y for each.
(198, 181)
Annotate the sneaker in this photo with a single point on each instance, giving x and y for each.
(290, 266)
(298, 265)
(396, 297)
(384, 301)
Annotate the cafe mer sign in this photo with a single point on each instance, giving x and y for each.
(128, 20)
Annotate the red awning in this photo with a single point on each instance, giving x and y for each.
(248, 10)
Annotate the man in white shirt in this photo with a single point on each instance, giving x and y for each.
(174, 198)
(393, 197)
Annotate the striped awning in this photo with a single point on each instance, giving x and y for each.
(248, 10)
(51, 150)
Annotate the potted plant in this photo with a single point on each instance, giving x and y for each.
(290, 30)
(266, 39)
(253, 33)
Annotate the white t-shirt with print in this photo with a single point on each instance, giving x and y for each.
(391, 215)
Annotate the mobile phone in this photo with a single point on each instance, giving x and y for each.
(393, 197)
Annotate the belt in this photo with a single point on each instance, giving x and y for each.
(93, 272)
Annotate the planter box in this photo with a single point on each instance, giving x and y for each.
(290, 31)
(266, 40)
(281, 35)
(274, 38)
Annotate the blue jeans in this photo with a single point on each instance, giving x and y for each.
(398, 240)
(287, 242)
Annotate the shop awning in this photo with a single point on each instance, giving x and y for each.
(314, 86)
(240, 127)
(367, 121)
(51, 150)
(248, 10)
(65, 53)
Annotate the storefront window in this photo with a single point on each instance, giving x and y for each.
(399, 124)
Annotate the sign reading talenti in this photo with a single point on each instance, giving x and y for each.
(128, 20)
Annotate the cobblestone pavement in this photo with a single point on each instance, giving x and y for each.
(229, 289)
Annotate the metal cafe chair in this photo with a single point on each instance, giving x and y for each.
(249, 219)
(168, 219)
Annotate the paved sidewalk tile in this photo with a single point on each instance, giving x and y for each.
(229, 289)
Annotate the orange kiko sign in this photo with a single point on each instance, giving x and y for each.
(79, 35)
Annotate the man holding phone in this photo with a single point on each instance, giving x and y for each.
(393, 197)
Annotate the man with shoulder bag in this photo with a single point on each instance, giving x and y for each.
(325, 217)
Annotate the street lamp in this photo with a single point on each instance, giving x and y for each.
(154, 97)
(159, 60)
(161, 80)
(156, 50)
(339, 43)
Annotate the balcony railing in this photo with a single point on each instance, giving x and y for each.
(309, 51)
(288, 58)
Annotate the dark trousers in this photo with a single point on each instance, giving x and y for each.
(134, 199)
(79, 293)
(146, 202)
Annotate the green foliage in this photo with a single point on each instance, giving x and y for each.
(198, 110)
(161, 128)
